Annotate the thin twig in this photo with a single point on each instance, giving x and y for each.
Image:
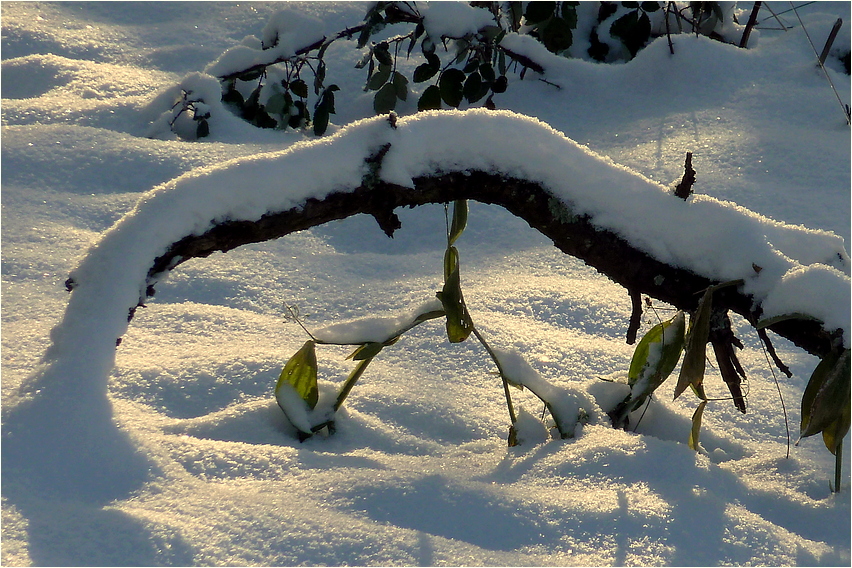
(752, 20)
(824, 70)
(769, 347)
(780, 396)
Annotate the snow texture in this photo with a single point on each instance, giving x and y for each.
(171, 449)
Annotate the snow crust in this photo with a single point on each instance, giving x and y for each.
(160, 452)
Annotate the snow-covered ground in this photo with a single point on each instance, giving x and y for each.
(204, 468)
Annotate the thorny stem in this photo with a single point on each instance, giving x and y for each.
(494, 358)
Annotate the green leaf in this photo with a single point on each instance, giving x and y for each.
(251, 75)
(472, 89)
(459, 221)
(382, 53)
(424, 72)
(321, 116)
(692, 369)
(539, 11)
(471, 66)
(430, 99)
(233, 96)
(379, 78)
(300, 117)
(463, 48)
(655, 357)
(826, 397)
(299, 88)
(385, 99)
(400, 83)
(486, 71)
(837, 430)
(301, 373)
(569, 13)
(557, 35)
(650, 6)
(202, 129)
(696, 426)
(633, 29)
(459, 324)
(451, 84)
(418, 31)
(500, 84)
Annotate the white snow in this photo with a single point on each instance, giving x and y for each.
(295, 409)
(284, 34)
(374, 329)
(172, 450)
(452, 19)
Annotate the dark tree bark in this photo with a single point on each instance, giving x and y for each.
(573, 234)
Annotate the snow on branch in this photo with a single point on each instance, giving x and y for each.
(625, 225)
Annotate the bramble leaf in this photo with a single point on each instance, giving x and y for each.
(430, 99)
(451, 84)
(379, 78)
(300, 372)
(539, 11)
(299, 88)
(825, 402)
(385, 99)
(459, 221)
(655, 357)
(459, 324)
(692, 368)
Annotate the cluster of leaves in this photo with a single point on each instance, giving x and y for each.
(659, 351)
(190, 115)
(285, 100)
(460, 69)
(826, 404)
(476, 66)
(297, 391)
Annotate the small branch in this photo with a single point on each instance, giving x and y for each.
(771, 350)
(752, 20)
(494, 358)
(830, 41)
(723, 340)
(321, 44)
(635, 316)
(684, 188)
(668, 27)
(522, 59)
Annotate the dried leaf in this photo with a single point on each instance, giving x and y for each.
(692, 368)
(696, 426)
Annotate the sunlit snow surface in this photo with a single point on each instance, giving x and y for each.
(418, 472)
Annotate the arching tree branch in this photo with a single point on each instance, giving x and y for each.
(574, 234)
